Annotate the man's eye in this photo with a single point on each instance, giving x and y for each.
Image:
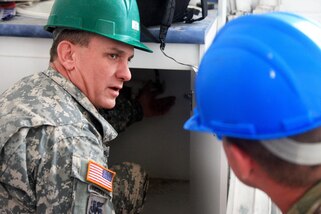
(113, 56)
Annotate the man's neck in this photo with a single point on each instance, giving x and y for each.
(59, 68)
(283, 196)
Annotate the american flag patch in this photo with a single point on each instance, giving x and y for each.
(100, 175)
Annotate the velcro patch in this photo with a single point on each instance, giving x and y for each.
(96, 205)
(100, 175)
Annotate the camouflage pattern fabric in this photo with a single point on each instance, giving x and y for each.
(49, 132)
(310, 203)
(130, 188)
(131, 181)
(126, 112)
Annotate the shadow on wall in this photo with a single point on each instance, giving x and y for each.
(159, 144)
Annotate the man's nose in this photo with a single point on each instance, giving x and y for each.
(124, 72)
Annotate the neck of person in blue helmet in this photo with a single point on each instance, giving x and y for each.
(284, 181)
(99, 69)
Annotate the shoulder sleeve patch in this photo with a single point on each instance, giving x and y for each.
(99, 175)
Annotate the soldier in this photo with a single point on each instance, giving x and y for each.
(54, 143)
(258, 89)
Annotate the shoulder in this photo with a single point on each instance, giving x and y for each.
(42, 101)
(310, 202)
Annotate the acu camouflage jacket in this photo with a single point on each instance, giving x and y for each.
(49, 132)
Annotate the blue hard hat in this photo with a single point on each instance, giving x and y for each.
(260, 78)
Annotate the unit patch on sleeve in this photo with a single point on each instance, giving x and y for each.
(96, 205)
(100, 175)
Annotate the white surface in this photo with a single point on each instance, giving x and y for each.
(35, 10)
(247, 200)
(308, 8)
(20, 57)
(244, 5)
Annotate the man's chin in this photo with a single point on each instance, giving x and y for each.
(107, 105)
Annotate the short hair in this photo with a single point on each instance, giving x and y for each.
(280, 170)
(77, 37)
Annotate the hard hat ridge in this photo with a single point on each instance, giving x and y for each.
(118, 20)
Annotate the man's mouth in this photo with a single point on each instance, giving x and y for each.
(115, 90)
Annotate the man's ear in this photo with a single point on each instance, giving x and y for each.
(65, 52)
(241, 163)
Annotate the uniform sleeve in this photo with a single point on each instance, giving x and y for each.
(126, 112)
(61, 179)
(55, 183)
(43, 170)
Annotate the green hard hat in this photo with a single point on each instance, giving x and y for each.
(115, 19)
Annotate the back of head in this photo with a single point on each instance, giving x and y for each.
(260, 78)
(118, 20)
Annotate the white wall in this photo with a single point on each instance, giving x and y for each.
(20, 57)
(308, 8)
(193, 2)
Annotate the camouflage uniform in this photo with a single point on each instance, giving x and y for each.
(130, 188)
(49, 132)
(131, 181)
(126, 112)
(310, 203)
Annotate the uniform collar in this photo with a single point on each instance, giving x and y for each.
(309, 203)
(109, 132)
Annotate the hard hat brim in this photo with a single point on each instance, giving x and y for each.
(132, 42)
(193, 124)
